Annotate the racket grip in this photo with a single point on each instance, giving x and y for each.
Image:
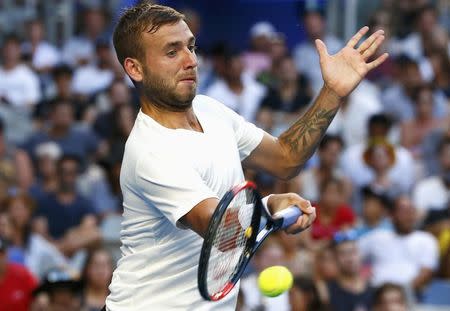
(289, 215)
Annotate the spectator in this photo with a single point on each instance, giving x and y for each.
(440, 62)
(390, 297)
(374, 211)
(304, 296)
(312, 15)
(414, 131)
(325, 270)
(118, 94)
(397, 99)
(59, 89)
(80, 50)
(30, 249)
(309, 181)
(278, 51)
(214, 67)
(44, 56)
(404, 255)
(333, 213)
(284, 103)
(426, 22)
(270, 253)
(354, 166)
(351, 119)
(15, 164)
(96, 277)
(19, 91)
(350, 291)
(46, 182)
(257, 59)
(383, 75)
(430, 150)
(434, 192)
(71, 218)
(437, 222)
(298, 259)
(239, 91)
(81, 142)
(92, 78)
(20, 85)
(16, 283)
(380, 157)
(62, 292)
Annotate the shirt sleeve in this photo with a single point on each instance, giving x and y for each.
(171, 185)
(429, 254)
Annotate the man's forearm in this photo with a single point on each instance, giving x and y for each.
(301, 139)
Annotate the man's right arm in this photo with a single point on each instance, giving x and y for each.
(198, 218)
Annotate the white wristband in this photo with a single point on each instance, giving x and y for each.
(264, 203)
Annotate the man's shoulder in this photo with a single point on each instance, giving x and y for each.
(206, 103)
(419, 236)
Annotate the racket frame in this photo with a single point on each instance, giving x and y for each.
(265, 227)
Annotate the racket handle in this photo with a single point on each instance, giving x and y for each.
(289, 215)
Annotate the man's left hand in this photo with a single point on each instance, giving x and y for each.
(343, 71)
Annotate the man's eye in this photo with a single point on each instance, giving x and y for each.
(192, 48)
(172, 53)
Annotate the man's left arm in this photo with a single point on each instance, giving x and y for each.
(284, 156)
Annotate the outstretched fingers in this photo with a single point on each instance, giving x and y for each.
(371, 50)
(355, 39)
(377, 62)
(369, 41)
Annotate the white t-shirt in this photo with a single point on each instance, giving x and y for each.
(350, 123)
(431, 193)
(165, 173)
(353, 166)
(20, 86)
(398, 258)
(90, 79)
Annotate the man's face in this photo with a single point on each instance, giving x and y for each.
(404, 215)
(68, 174)
(392, 300)
(11, 52)
(329, 156)
(314, 25)
(64, 300)
(348, 258)
(170, 66)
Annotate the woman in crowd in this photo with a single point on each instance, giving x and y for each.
(28, 248)
(97, 274)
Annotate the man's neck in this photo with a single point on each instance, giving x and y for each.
(10, 65)
(172, 119)
(352, 283)
(57, 132)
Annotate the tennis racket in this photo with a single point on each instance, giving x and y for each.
(237, 228)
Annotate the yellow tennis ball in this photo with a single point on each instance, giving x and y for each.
(275, 280)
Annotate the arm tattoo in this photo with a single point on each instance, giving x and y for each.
(302, 138)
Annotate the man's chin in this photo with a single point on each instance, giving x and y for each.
(187, 97)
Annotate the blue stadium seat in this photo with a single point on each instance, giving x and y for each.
(437, 293)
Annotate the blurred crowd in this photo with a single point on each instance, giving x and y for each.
(379, 180)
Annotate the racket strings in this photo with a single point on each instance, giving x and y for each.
(229, 243)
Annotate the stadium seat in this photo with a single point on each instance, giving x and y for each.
(437, 293)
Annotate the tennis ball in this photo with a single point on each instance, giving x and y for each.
(275, 280)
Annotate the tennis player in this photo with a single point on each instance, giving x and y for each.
(185, 151)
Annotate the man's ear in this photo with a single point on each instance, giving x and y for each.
(133, 68)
